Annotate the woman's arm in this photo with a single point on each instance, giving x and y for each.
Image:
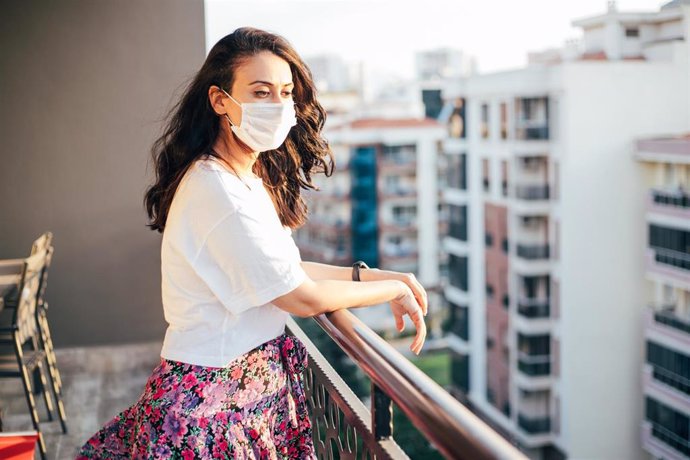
(319, 271)
(312, 298)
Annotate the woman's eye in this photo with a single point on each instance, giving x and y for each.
(287, 93)
(258, 93)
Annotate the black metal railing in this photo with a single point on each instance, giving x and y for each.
(671, 319)
(672, 257)
(670, 438)
(534, 308)
(535, 366)
(672, 379)
(532, 192)
(534, 425)
(533, 251)
(342, 422)
(678, 198)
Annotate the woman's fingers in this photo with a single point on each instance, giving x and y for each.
(419, 292)
(399, 323)
(418, 320)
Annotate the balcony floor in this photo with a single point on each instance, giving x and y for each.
(98, 383)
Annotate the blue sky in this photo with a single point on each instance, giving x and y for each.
(385, 34)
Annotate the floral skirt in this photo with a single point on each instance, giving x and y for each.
(254, 408)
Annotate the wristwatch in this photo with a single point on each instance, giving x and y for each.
(355, 269)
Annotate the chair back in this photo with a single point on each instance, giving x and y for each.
(24, 315)
(42, 242)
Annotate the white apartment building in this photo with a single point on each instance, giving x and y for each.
(549, 276)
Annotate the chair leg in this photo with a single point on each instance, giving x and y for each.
(26, 380)
(55, 381)
(43, 384)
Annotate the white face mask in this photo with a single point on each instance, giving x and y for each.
(265, 125)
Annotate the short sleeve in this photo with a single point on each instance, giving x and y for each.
(247, 263)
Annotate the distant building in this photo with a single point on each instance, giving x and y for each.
(442, 63)
(381, 204)
(666, 372)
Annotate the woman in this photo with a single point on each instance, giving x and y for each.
(240, 145)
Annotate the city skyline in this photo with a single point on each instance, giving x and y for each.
(455, 25)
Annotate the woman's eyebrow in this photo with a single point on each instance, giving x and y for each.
(269, 83)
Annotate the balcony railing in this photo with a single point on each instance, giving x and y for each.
(670, 438)
(532, 192)
(533, 251)
(672, 257)
(345, 428)
(677, 198)
(534, 365)
(534, 308)
(534, 425)
(671, 319)
(671, 379)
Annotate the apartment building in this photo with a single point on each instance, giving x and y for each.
(544, 266)
(381, 204)
(666, 371)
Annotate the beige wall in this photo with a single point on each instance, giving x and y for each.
(83, 88)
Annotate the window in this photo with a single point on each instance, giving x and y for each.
(489, 291)
(458, 222)
(485, 174)
(504, 120)
(485, 121)
(457, 272)
(488, 239)
(504, 245)
(632, 32)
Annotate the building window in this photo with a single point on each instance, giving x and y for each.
(458, 222)
(457, 122)
(505, 246)
(506, 300)
(456, 172)
(632, 32)
(669, 367)
(485, 174)
(489, 291)
(668, 425)
(457, 272)
(485, 121)
(504, 120)
(488, 239)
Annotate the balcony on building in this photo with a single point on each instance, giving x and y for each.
(532, 118)
(397, 158)
(534, 355)
(532, 192)
(457, 321)
(533, 251)
(667, 252)
(533, 307)
(665, 430)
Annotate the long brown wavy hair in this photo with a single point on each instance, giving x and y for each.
(193, 126)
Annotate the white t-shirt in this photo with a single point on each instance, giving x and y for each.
(224, 257)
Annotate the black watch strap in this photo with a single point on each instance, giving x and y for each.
(355, 269)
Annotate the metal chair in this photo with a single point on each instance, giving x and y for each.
(24, 331)
(42, 243)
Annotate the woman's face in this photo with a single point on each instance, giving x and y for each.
(263, 77)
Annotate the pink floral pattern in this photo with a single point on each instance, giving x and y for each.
(255, 408)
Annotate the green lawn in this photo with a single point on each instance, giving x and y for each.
(436, 365)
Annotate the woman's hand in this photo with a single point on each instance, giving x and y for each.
(374, 274)
(406, 304)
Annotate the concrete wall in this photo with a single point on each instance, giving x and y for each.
(84, 86)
